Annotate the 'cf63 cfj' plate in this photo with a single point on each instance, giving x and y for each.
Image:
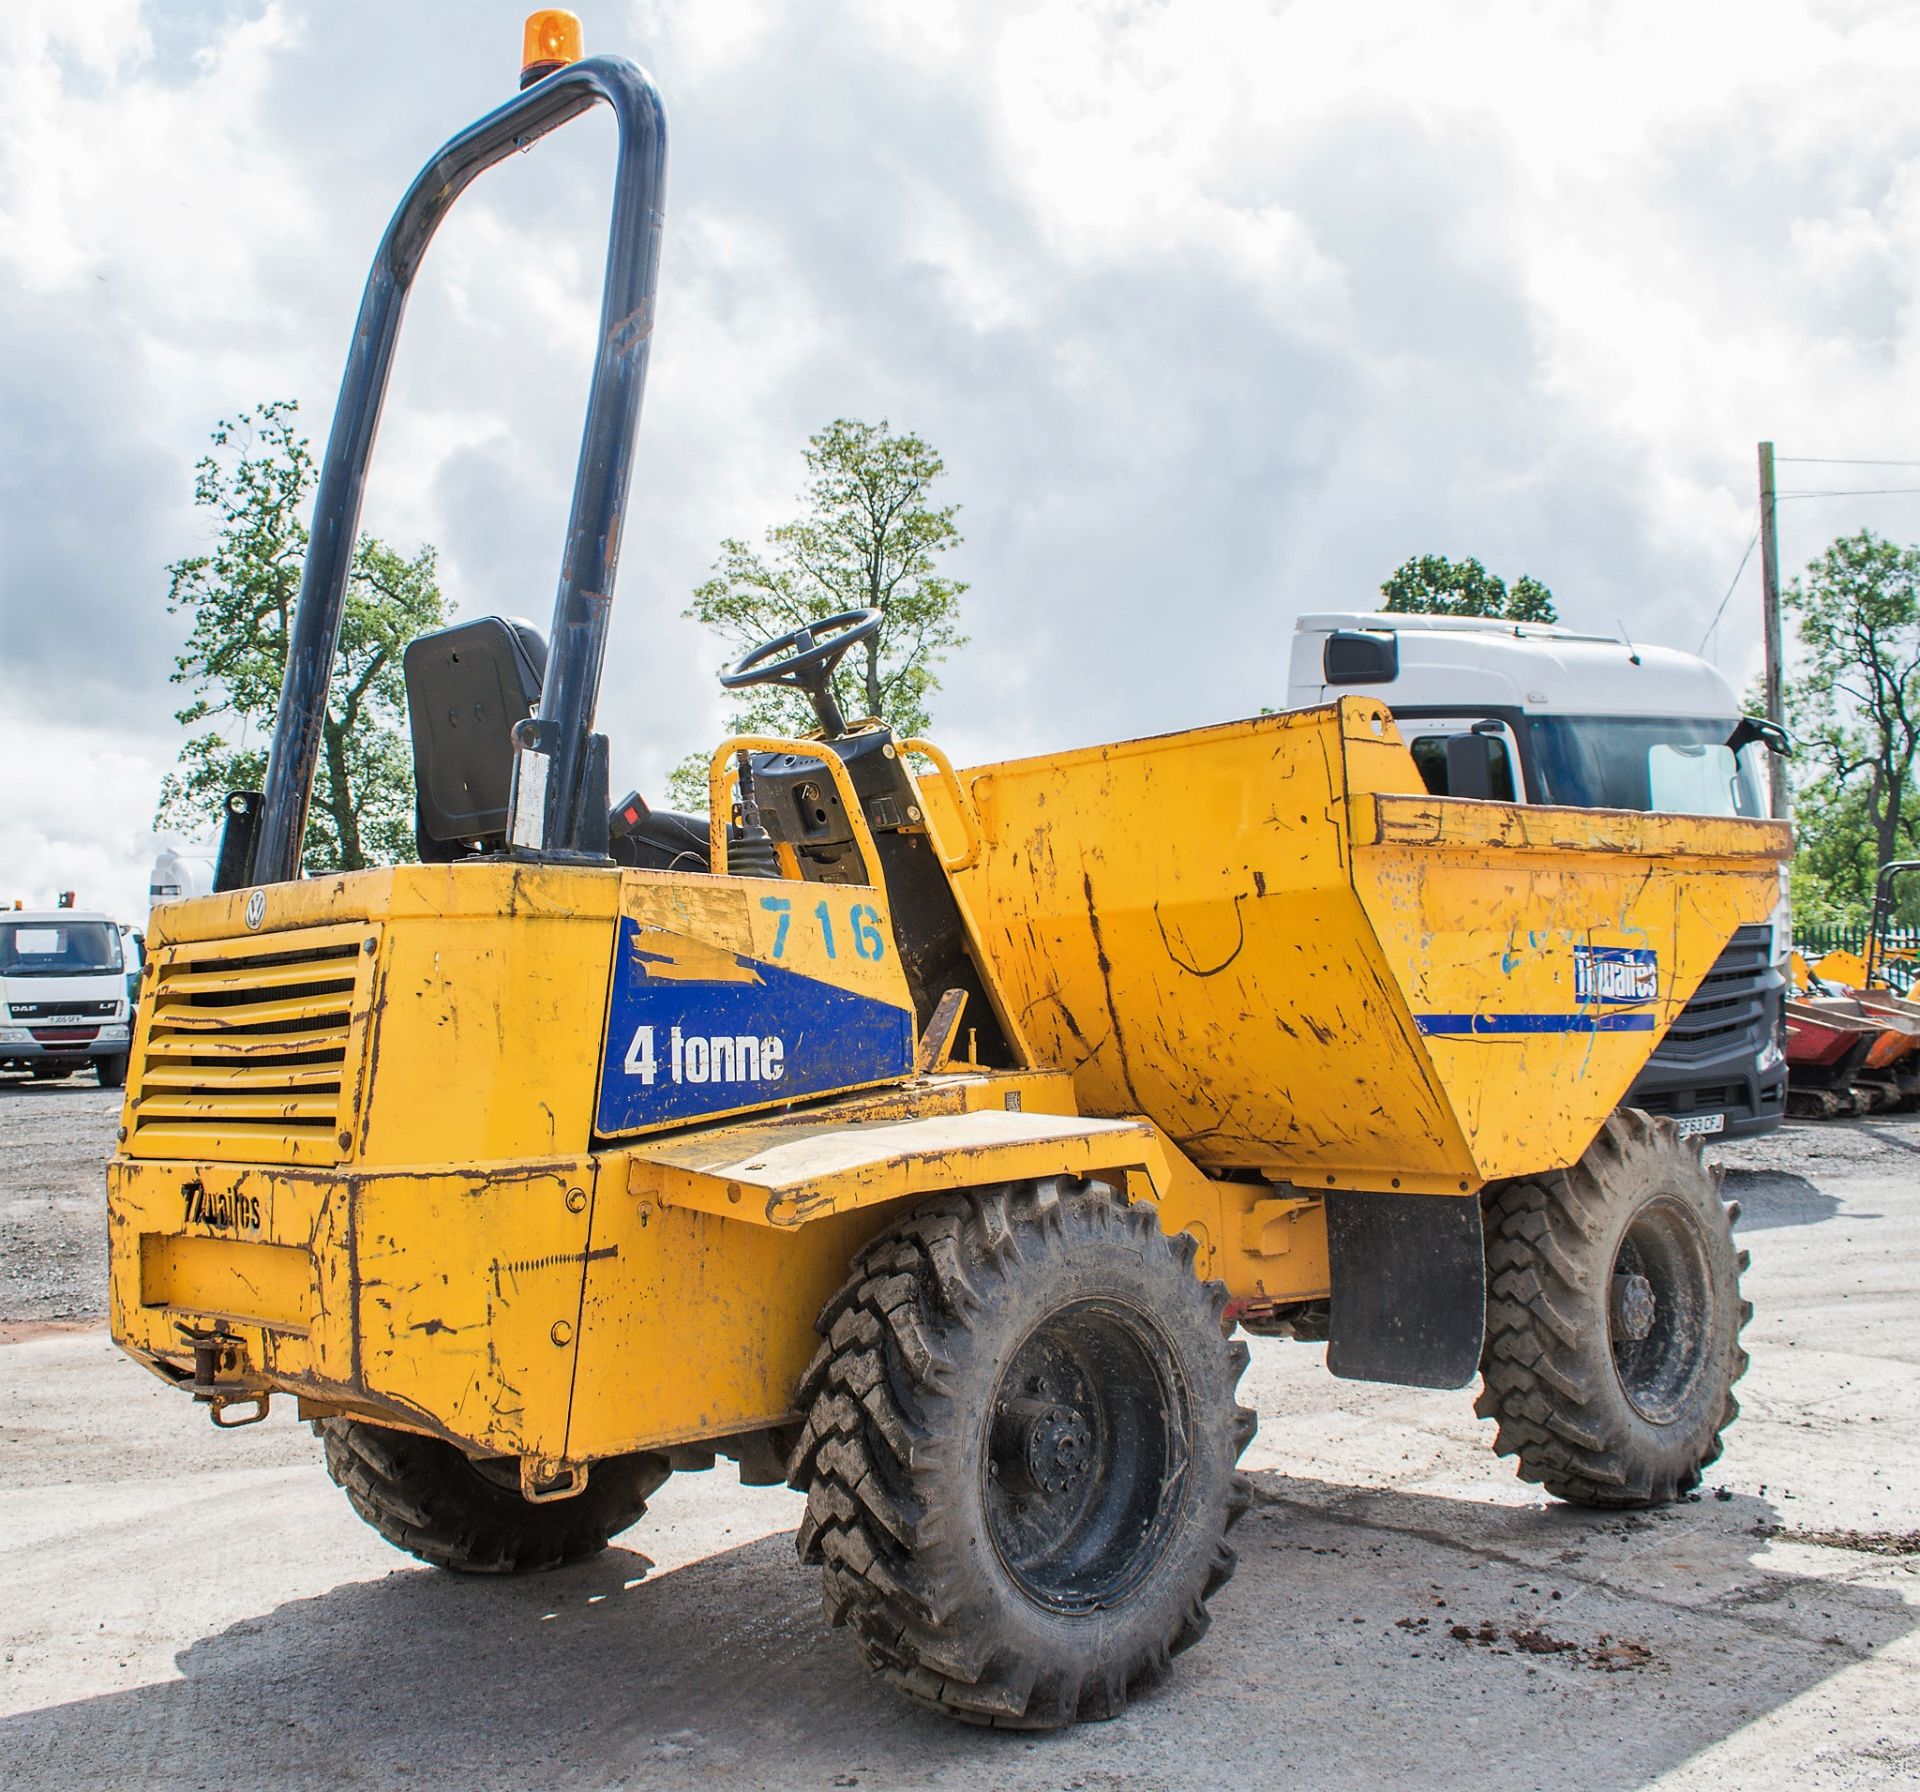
(1698, 1125)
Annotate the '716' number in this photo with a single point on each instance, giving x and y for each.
(863, 921)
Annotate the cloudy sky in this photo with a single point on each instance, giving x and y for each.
(1216, 311)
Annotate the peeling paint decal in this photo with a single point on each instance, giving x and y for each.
(693, 1032)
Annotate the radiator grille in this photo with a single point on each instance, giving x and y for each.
(246, 1048)
(1731, 1004)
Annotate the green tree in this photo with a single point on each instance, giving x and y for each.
(240, 599)
(870, 537)
(1433, 585)
(1833, 862)
(1854, 702)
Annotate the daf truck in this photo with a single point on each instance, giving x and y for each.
(1528, 712)
(63, 995)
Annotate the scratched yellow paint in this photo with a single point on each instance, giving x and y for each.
(1243, 931)
(468, 1299)
(483, 978)
(1483, 913)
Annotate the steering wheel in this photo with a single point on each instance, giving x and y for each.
(805, 660)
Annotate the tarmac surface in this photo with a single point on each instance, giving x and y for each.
(185, 1608)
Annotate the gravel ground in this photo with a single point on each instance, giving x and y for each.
(54, 1138)
(184, 1608)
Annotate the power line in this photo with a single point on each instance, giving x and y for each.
(1824, 460)
(1878, 491)
(1752, 542)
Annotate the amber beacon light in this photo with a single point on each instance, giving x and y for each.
(550, 41)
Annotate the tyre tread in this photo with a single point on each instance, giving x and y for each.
(1537, 1364)
(866, 1447)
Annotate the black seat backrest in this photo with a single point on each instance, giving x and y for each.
(466, 687)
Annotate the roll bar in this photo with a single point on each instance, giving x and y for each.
(1890, 873)
(559, 737)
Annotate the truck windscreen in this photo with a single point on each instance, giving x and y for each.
(58, 948)
(1665, 764)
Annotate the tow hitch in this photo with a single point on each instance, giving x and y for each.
(217, 1354)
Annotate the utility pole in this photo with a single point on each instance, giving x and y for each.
(1770, 598)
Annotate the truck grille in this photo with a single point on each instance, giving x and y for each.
(61, 1011)
(1731, 1002)
(246, 1049)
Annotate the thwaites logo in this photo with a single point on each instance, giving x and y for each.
(1615, 974)
(706, 1057)
(226, 1208)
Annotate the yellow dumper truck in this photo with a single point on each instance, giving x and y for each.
(917, 1137)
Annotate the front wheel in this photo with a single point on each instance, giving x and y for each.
(112, 1072)
(1020, 1452)
(1613, 1319)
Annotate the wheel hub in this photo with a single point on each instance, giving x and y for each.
(1085, 1456)
(1634, 1306)
(1046, 1444)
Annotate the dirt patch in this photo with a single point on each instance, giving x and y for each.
(19, 1331)
(1607, 1654)
(1867, 1543)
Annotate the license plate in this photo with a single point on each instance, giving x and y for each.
(1699, 1124)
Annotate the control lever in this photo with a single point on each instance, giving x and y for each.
(749, 846)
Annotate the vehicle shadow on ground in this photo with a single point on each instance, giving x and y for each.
(1770, 1199)
(1331, 1662)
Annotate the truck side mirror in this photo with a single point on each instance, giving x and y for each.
(1470, 764)
(1769, 734)
(1355, 658)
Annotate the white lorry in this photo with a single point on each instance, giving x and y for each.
(1533, 713)
(63, 994)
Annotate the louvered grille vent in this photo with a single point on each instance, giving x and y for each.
(244, 1049)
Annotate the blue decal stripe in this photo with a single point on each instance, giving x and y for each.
(1515, 1024)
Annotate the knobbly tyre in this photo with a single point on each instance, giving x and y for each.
(916, 1140)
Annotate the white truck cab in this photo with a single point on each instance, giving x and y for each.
(63, 994)
(1534, 713)
(1586, 720)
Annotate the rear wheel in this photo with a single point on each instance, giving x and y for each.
(436, 1502)
(1613, 1319)
(1020, 1450)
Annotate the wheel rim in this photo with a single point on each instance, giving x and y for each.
(1657, 1310)
(1087, 1449)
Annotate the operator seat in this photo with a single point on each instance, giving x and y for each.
(466, 688)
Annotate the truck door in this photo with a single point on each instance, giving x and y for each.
(1429, 739)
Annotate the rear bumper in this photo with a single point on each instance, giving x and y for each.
(443, 1301)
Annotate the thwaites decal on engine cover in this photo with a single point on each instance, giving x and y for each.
(694, 1031)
